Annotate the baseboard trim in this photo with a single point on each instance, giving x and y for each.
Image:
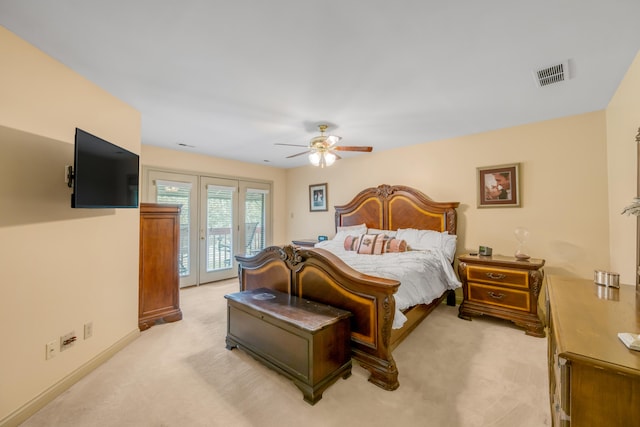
(21, 414)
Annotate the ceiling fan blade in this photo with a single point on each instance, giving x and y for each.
(291, 145)
(353, 148)
(333, 140)
(299, 154)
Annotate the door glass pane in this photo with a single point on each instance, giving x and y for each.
(254, 208)
(178, 193)
(219, 236)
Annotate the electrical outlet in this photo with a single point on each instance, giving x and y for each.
(88, 330)
(50, 350)
(67, 340)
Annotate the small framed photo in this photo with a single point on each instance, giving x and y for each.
(499, 186)
(318, 197)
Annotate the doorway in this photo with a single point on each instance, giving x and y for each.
(219, 218)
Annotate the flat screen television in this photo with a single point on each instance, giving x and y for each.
(104, 175)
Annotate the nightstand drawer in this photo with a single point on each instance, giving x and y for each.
(503, 276)
(503, 297)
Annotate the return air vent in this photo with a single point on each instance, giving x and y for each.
(554, 74)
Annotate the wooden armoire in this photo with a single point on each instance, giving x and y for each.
(159, 297)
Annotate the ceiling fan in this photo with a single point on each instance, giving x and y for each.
(322, 149)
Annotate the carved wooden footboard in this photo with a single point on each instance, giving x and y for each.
(320, 276)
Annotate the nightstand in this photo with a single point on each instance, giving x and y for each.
(502, 287)
(305, 243)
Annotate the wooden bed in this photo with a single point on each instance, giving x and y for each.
(318, 275)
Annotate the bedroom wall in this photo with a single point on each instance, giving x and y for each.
(213, 166)
(562, 171)
(61, 267)
(623, 123)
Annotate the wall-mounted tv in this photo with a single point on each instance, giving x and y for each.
(104, 175)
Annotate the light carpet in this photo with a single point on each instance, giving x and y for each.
(452, 373)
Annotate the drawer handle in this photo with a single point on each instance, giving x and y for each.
(495, 296)
(496, 276)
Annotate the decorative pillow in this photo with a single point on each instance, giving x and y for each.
(343, 232)
(351, 243)
(396, 245)
(374, 244)
(371, 244)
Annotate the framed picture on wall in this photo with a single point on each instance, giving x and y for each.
(318, 197)
(499, 186)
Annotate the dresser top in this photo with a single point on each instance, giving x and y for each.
(587, 317)
(502, 261)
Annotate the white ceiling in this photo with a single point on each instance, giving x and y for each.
(232, 78)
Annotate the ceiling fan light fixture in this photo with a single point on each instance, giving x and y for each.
(322, 158)
(321, 149)
(314, 158)
(329, 158)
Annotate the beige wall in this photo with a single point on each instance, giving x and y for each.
(562, 172)
(217, 167)
(623, 123)
(61, 267)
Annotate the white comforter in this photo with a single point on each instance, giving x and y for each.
(423, 275)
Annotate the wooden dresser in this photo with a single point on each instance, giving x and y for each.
(594, 380)
(502, 287)
(159, 298)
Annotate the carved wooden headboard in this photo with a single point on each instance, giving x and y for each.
(390, 207)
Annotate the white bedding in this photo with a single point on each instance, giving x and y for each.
(423, 275)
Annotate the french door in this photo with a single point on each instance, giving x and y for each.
(220, 218)
(179, 189)
(234, 217)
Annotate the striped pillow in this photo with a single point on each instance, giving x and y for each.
(396, 245)
(374, 244)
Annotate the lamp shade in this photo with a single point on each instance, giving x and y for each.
(322, 158)
(329, 158)
(314, 158)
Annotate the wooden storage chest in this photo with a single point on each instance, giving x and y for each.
(303, 340)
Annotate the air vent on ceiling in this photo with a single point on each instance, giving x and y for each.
(554, 74)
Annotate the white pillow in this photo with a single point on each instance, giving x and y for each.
(449, 245)
(390, 233)
(348, 230)
(353, 228)
(419, 240)
(422, 239)
(410, 235)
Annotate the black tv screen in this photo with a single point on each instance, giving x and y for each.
(105, 175)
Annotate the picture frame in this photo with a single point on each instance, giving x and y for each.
(499, 186)
(318, 197)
